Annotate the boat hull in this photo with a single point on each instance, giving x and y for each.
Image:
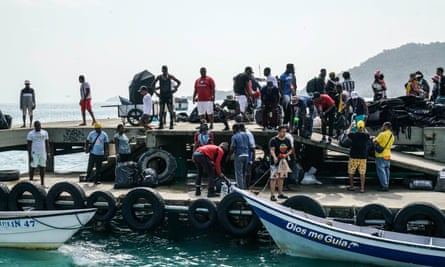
(297, 234)
(41, 229)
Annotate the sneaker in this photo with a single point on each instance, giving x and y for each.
(198, 191)
(281, 196)
(273, 198)
(97, 182)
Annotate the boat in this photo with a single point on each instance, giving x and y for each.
(300, 234)
(41, 229)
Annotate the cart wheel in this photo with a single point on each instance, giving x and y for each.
(133, 116)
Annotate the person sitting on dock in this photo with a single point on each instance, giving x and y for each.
(122, 144)
(166, 94)
(203, 136)
(85, 100)
(281, 148)
(384, 139)
(208, 160)
(204, 94)
(147, 115)
(97, 145)
(38, 151)
(27, 102)
(326, 110)
(358, 154)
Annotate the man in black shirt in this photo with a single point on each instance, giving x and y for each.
(242, 87)
(358, 154)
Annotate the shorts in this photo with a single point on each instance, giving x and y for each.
(27, 109)
(354, 164)
(146, 119)
(242, 100)
(205, 107)
(273, 172)
(38, 159)
(85, 104)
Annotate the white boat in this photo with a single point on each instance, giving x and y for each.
(299, 234)
(41, 229)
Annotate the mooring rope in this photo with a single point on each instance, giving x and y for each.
(61, 228)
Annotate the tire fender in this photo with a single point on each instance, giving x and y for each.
(37, 191)
(160, 160)
(9, 175)
(4, 193)
(375, 211)
(129, 212)
(202, 220)
(237, 225)
(103, 214)
(420, 210)
(74, 190)
(305, 204)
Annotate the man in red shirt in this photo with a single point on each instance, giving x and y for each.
(208, 160)
(326, 110)
(204, 94)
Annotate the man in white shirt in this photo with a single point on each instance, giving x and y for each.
(38, 151)
(269, 77)
(85, 100)
(148, 107)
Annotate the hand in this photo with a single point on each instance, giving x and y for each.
(282, 156)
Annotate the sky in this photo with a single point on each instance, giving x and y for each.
(51, 42)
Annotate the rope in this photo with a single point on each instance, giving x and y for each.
(61, 228)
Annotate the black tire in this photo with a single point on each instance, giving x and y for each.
(134, 116)
(375, 211)
(147, 218)
(37, 192)
(237, 225)
(305, 204)
(161, 161)
(202, 220)
(4, 193)
(421, 211)
(77, 195)
(103, 214)
(9, 175)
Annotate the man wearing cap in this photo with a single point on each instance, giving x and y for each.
(38, 151)
(204, 94)
(358, 154)
(97, 145)
(356, 109)
(148, 107)
(242, 89)
(27, 102)
(85, 100)
(384, 139)
(326, 110)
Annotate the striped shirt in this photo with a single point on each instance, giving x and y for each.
(348, 86)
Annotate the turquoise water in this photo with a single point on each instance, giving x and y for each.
(175, 244)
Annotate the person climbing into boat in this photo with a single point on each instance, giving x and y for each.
(85, 100)
(280, 151)
(204, 94)
(27, 103)
(204, 136)
(147, 113)
(326, 110)
(96, 145)
(208, 160)
(423, 85)
(304, 126)
(166, 94)
(379, 86)
(358, 154)
(122, 144)
(38, 151)
(242, 90)
(288, 87)
(385, 139)
(356, 109)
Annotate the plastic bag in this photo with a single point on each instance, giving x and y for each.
(149, 178)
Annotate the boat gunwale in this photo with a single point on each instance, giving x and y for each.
(42, 213)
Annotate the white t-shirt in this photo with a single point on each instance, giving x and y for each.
(83, 90)
(38, 139)
(272, 79)
(148, 105)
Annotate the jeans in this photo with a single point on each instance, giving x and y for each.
(287, 111)
(94, 160)
(240, 170)
(204, 165)
(382, 166)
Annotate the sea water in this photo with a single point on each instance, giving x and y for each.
(174, 244)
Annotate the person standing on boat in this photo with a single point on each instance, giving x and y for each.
(122, 144)
(97, 145)
(208, 160)
(280, 151)
(384, 139)
(85, 100)
(356, 109)
(379, 86)
(38, 151)
(204, 94)
(166, 94)
(358, 154)
(27, 102)
(147, 115)
(326, 110)
(288, 87)
(242, 89)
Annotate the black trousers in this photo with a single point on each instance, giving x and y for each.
(328, 122)
(94, 161)
(204, 165)
(162, 102)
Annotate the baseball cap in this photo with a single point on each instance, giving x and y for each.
(360, 124)
(143, 87)
(27, 82)
(97, 125)
(354, 94)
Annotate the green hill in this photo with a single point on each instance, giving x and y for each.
(397, 64)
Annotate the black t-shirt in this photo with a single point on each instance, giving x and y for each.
(359, 145)
(281, 146)
(270, 94)
(357, 105)
(240, 83)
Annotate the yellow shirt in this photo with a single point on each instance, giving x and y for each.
(382, 138)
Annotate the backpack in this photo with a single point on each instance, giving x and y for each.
(311, 86)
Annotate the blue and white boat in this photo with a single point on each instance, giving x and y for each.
(299, 234)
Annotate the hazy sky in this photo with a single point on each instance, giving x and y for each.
(51, 42)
